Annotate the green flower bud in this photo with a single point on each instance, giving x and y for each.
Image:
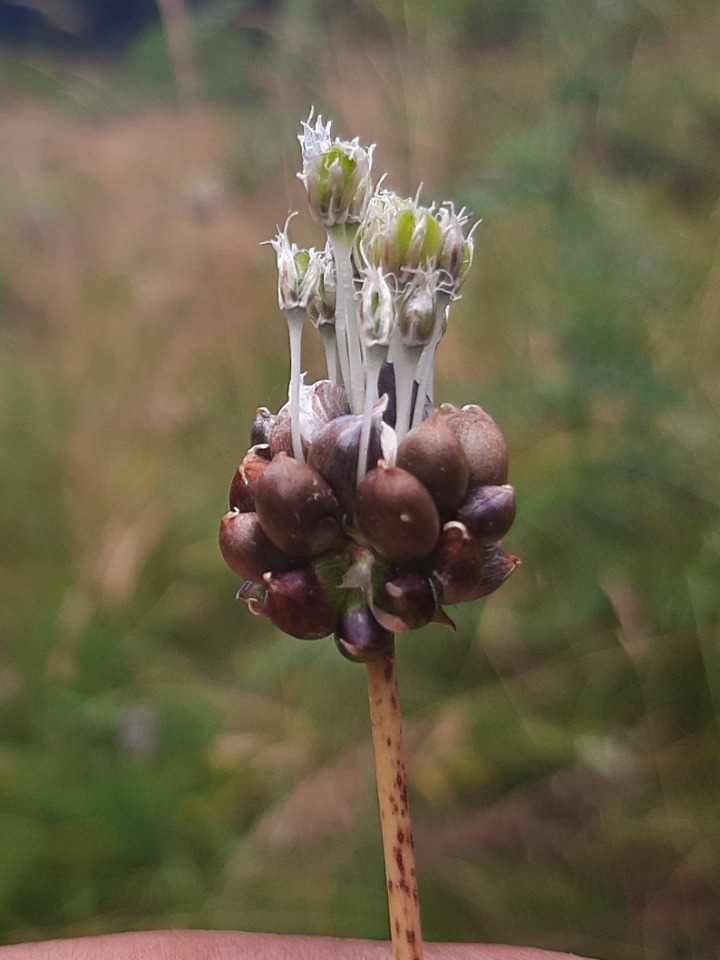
(299, 272)
(417, 311)
(336, 175)
(377, 309)
(456, 252)
(321, 309)
(400, 236)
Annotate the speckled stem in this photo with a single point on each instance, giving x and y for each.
(403, 900)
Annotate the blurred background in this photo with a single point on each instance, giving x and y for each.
(168, 760)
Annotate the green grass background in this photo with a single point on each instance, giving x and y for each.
(168, 760)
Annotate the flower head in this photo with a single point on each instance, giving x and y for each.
(362, 507)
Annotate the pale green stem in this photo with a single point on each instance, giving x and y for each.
(295, 319)
(426, 366)
(329, 342)
(405, 364)
(374, 359)
(346, 326)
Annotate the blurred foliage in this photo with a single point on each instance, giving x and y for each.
(167, 760)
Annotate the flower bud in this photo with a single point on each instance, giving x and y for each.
(298, 603)
(376, 318)
(488, 512)
(400, 236)
(299, 272)
(483, 443)
(416, 312)
(334, 454)
(404, 600)
(247, 475)
(336, 176)
(297, 509)
(321, 309)
(456, 252)
(397, 514)
(246, 548)
(358, 635)
(465, 568)
(433, 454)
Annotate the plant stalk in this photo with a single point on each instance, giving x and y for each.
(349, 350)
(397, 834)
(295, 318)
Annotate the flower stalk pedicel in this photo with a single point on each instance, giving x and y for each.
(361, 507)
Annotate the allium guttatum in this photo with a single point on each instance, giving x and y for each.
(361, 508)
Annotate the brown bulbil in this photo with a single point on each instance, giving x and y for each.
(297, 509)
(320, 403)
(397, 514)
(245, 547)
(334, 454)
(330, 400)
(297, 603)
(247, 475)
(488, 512)
(281, 436)
(433, 453)
(484, 445)
(465, 568)
(262, 427)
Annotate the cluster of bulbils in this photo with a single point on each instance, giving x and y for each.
(361, 509)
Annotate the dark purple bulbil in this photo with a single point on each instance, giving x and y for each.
(404, 600)
(298, 603)
(359, 637)
(488, 512)
(386, 385)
